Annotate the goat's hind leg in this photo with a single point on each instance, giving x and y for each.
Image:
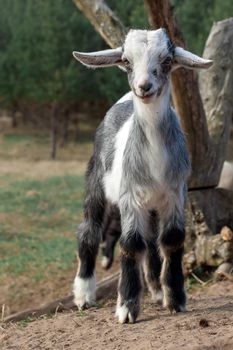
(89, 235)
(111, 234)
(172, 246)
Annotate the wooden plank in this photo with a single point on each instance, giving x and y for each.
(105, 289)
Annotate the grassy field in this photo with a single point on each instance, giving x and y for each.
(40, 208)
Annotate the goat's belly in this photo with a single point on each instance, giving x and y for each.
(158, 198)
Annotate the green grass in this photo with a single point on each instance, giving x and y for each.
(34, 145)
(40, 208)
(12, 138)
(37, 235)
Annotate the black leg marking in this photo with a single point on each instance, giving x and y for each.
(172, 274)
(87, 252)
(130, 284)
(173, 238)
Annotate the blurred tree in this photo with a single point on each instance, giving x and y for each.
(38, 37)
(196, 18)
(36, 64)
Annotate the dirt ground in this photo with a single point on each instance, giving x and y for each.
(207, 325)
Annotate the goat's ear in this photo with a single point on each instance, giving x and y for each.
(105, 58)
(189, 60)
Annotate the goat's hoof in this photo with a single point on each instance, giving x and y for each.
(106, 262)
(157, 297)
(83, 305)
(175, 308)
(84, 292)
(125, 315)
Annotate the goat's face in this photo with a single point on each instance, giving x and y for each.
(148, 57)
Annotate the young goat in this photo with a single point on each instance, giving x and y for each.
(140, 166)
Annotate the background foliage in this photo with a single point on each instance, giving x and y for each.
(38, 37)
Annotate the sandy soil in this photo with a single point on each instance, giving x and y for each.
(208, 325)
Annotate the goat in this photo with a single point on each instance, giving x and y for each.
(140, 165)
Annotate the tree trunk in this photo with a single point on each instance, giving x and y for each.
(53, 131)
(185, 92)
(14, 119)
(216, 86)
(104, 20)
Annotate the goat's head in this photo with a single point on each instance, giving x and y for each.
(148, 57)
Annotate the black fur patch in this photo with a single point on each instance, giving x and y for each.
(154, 263)
(111, 233)
(87, 256)
(134, 242)
(130, 278)
(108, 249)
(130, 286)
(172, 238)
(173, 278)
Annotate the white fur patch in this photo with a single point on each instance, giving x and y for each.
(104, 262)
(112, 179)
(123, 314)
(84, 291)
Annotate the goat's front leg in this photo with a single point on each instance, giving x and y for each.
(132, 249)
(152, 261)
(171, 242)
(89, 234)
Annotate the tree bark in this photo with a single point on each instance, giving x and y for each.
(216, 86)
(106, 23)
(185, 93)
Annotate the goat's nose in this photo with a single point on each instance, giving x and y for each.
(145, 87)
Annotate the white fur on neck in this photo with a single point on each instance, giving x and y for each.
(151, 111)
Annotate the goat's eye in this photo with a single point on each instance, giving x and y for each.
(166, 65)
(155, 73)
(127, 63)
(167, 61)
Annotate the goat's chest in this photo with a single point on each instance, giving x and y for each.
(138, 168)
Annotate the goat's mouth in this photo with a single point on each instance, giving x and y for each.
(146, 98)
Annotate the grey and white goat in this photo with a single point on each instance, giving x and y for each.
(140, 167)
